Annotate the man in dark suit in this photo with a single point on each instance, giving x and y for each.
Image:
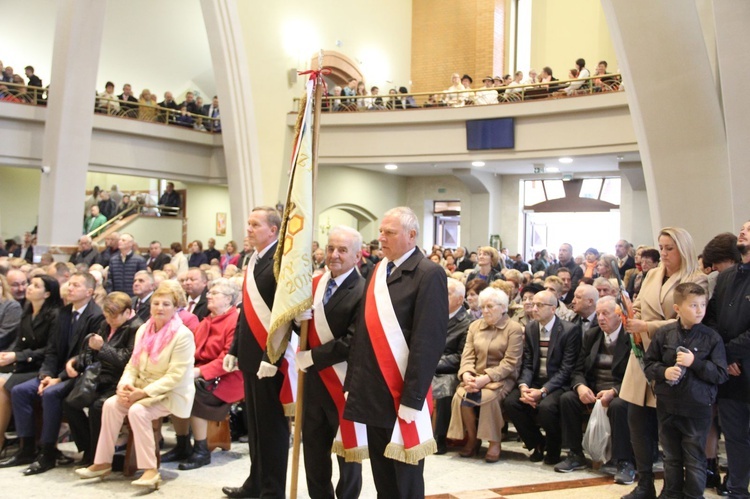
(418, 293)
(196, 287)
(450, 361)
(190, 104)
(549, 357)
(584, 305)
(34, 80)
(268, 430)
(143, 288)
(76, 320)
(26, 251)
(128, 97)
(463, 263)
(339, 307)
(729, 314)
(87, 253)
(212, 253)
(598, 376)
(565, 259)
(156, 258)
(170, 198)
(625, 262)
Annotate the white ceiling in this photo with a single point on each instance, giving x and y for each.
(580, 166)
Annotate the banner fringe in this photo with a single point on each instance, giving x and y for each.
(412, 456)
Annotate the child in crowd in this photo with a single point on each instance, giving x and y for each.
(686, 386)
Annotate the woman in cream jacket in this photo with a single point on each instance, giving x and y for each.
(157, 381)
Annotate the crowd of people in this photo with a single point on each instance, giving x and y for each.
(462, 92)
(497, 341)
(19, 90)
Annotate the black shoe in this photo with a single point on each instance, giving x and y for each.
(574, 462)
(179, 452)
(442, 447)
(625, 473)
(236, 492)
(644, 490)
(538, 454)
(713, 478)
(722, 488)
(63, 460)
(201, 456)
(46, 460)
(554, 458)
(24, 456)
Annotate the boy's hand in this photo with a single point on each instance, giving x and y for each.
(685, 358)
(672, 373)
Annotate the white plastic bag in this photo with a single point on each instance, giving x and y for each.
(596, 440)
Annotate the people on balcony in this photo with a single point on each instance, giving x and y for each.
(455, 98)
(94, 221)
(107, 100)
(146, 106)
(170, 198)
(189, 102)
(128, 97)
(107, 207)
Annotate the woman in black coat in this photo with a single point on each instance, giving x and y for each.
(38, 321)
(112, 347)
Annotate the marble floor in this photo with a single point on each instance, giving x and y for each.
(446, 476)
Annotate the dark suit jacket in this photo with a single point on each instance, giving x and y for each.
(576, 274)
(211, 254)
(578, 321)
(201, 308)
(28, 255)
(244, 346)
(465, 264)
(89, 257)
(65, 343)
(159, 262)
(33, 336)
(419, 293)
(629, 264)
(584, 373)
(144, 309)
(130, 98)
(562, 354)
(458, 326)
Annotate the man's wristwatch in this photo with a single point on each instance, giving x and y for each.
(544, 392)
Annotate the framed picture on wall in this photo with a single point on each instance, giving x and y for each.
(221, 224)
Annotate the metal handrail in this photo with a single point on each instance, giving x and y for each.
(516, 93)
(111, 221)
(22, 94)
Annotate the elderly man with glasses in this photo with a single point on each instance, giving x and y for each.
(549, 358)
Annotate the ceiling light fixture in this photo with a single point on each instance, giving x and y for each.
(391, 166)
(620, 158)
(565, 160)
(478, 164)
(567, 177)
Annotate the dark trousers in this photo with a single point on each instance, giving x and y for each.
(393, 479)
(320, 423)
(572, 411)
(442, 416)
(734, 416)
(525, 418)
(683, 440)
(24, 397)
(644, 431)
(267, 436)
(85, 429)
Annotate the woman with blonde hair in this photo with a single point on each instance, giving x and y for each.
(654, 308)
(158, 381)
(490, 364)
(487, 260)
(146, 107)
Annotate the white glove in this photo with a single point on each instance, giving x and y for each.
(304, 360)
(266, 370)
(303, 316)
(407, 414)
(230, 363)
(346, 395)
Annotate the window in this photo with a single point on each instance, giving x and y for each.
(611, 191)
(555, 189)
(590, 188)
(533, 192)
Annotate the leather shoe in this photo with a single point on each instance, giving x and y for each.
(86, 473)
(154, 481)
(237, 492)
(538, 454)
(16, 460)
(492, 456)
(39, 466)
(552, 459)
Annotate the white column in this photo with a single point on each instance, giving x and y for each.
(732, 42)
(676, 113)
(70, 116)
(239, 130)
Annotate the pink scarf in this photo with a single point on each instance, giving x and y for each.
(154, 341)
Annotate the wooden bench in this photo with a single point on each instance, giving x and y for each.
(131, 466)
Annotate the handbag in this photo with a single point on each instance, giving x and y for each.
(207, 385)
(444, 385)
(85, 389)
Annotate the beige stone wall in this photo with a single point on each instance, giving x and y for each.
(455, 37)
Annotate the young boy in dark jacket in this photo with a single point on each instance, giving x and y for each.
(686, 387)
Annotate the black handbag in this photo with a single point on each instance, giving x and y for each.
(84, 391)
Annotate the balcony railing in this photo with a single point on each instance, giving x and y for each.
(482, 96)
(35, 96)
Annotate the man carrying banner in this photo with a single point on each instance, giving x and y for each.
(268, 394)
(396, 346)
(336, 298)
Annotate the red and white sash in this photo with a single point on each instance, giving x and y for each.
(258, 317)
(409, 442)
(351, 438)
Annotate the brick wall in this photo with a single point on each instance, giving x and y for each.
(456, 36)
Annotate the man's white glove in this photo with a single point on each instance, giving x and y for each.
(407, 413)
(230, 363)
(266, 370)
(304, 360)
(303, 316)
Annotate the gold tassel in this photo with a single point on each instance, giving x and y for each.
(355, 455)
(412, 456)
(289, 410)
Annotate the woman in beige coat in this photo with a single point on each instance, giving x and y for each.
(157, 381)
(653, 308)
(490, 364)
